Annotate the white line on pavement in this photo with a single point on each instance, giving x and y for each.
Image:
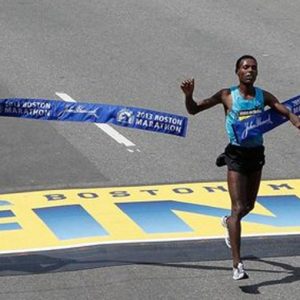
(114, 134)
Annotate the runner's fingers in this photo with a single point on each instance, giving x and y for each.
(187, 83)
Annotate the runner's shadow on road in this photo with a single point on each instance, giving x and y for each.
(32, 264)
(38, 264)
(293, 275)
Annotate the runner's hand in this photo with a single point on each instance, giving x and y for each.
(187, 87)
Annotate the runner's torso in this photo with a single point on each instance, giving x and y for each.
(241, 109)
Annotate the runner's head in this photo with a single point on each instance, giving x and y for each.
(246, 69)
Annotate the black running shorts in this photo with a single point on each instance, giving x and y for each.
(242, 159)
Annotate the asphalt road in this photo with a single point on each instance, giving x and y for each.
(136, 53)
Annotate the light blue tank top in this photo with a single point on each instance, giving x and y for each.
(242, 109)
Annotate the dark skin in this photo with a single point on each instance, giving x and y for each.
(243, 188)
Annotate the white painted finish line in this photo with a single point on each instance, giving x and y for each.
(114, 134)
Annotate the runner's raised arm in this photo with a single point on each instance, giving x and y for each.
(192, 106)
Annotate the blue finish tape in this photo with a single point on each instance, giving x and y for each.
(132, 117)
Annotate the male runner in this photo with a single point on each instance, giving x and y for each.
(244, 160)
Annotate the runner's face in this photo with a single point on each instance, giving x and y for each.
(247, 71)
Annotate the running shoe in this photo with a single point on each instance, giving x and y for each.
(224, 224)
(239, 272)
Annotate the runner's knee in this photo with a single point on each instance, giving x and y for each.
(239, 211)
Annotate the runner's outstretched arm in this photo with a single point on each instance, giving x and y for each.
(273, 102)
